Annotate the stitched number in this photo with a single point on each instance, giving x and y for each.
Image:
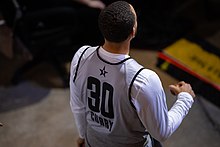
(93, 99)
(107, 101)
(105, 91)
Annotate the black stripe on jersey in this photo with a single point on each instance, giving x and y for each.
(77, 67)
(110, 62)
(131, 87)
(87, 140)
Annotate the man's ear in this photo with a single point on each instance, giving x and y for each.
(134, 32)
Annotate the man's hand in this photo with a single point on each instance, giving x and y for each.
(80, 142)
(181, 87)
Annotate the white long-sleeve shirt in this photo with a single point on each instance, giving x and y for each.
(148, 98)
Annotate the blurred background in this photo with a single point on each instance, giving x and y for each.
(38, 39)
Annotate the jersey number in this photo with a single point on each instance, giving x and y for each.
(100, 97)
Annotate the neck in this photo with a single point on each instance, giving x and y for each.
(117, 48)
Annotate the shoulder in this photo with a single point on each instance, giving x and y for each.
(80, 51)
(83, 51)
(148, 74)
(149, 78)
(77, 57)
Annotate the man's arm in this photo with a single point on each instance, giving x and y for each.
(150, 102)
(76, 104)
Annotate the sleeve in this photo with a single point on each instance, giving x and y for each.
(76, 104)
(149, 99)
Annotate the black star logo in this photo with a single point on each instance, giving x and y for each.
(103, 71)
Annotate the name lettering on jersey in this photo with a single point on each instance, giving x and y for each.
(102, 121)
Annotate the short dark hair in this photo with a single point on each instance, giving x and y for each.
(116, 21)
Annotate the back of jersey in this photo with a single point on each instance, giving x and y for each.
(111, 119)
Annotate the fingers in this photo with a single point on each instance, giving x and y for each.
(181, 87)
(174, 89)
(187, 88)
(192, 93)
(181, 83)
(80, 142)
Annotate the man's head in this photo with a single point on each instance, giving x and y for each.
(117, 21)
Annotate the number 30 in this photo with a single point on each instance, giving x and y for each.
(100, 94)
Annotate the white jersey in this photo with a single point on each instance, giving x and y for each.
(111, 117)
(115, 101)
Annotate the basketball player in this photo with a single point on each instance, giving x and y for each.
(115, 101)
